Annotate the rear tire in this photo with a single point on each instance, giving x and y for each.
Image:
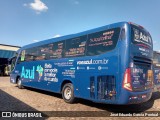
(19, 83)
(68, 93)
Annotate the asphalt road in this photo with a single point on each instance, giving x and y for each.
(14, 99)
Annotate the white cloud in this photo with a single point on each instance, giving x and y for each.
(38, 6)
(56, 36)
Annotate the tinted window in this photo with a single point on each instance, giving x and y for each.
(22, 56)
(30, 54)
(50, 51)
(58, 48)
(140, 37)
(13, 61)
(75, 47)
(44, 52)
(103, 41)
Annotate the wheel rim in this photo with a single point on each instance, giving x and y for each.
(67, 93)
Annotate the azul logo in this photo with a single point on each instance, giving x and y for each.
(141, 36)
(40, 71)
(28, 73)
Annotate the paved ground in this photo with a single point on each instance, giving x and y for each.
(14, 99)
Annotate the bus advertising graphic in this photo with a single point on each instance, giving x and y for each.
(28, 73)
(40, 71)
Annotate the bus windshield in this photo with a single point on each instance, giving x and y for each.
(13, 61)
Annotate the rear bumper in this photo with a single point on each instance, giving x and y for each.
(128, 97)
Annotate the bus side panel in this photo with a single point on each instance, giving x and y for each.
(32, 74)
(97, 77)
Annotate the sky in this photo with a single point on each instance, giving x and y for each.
(27, 21)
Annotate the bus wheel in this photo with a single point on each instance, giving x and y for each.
(68, 93)
(19, 83)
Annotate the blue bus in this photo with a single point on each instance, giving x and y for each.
(156, 67)
(110, 64)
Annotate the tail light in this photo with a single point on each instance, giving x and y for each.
(127, 80)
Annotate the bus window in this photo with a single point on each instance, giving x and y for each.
(103, 41)
(13, 61)
(58, 48)
(140, 37)
(22, 56)
(50, 51)
(30, 54)
(76, 47)
(44, 52)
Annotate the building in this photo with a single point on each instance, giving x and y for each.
(6, 51)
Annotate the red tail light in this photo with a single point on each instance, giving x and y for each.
(127, 80)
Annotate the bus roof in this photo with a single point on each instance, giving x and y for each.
(119, 24)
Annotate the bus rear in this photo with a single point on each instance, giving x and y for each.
(138, 77)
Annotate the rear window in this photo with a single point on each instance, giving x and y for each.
(140, 37)
(102, 41)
